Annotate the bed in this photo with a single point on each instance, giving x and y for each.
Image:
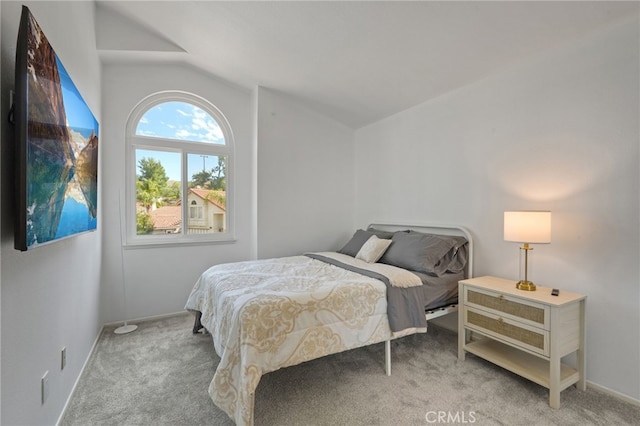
(386, 282)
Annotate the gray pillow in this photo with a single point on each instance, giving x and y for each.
(456, 258)
(419, 252)
(385, 235)
(356, 242)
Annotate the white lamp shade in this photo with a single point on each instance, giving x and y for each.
(528, 227)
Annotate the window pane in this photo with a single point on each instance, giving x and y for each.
(158, 189)
(207, 197)
(182, 121)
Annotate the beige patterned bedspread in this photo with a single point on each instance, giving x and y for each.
(268, 314)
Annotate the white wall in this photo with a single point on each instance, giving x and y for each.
(559, 132)
(50, 296)
(159, 280)
(294, 191)
(305, 175)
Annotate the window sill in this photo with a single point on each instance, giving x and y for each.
(135, 245)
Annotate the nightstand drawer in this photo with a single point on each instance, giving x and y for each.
(531, 313)
(530, 338)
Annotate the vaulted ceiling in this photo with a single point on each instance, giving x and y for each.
(357, 62)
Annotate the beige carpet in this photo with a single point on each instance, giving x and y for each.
(159, 375)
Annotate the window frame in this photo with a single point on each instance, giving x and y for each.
(184, 148)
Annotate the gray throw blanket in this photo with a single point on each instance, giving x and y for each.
(405, 305)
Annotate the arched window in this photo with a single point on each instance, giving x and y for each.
(179, 171)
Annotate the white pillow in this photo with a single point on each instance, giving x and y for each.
(373, 249)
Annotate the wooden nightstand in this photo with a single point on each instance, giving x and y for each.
(526, 332)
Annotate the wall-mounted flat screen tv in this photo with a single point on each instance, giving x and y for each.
(57, 145)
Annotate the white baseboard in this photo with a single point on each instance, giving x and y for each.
(613, 393)
(75, 384)
(144, 319)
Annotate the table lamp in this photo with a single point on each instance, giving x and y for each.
(527, 227)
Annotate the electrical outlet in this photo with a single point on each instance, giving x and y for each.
(44, 385)
(63, 358)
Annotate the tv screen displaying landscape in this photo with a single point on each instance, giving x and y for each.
(57, 138)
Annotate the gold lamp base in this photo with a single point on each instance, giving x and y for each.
(526, 285)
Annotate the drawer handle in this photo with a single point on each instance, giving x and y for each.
(501, 297)
(500, 321)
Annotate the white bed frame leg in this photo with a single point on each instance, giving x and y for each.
(387, 356)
